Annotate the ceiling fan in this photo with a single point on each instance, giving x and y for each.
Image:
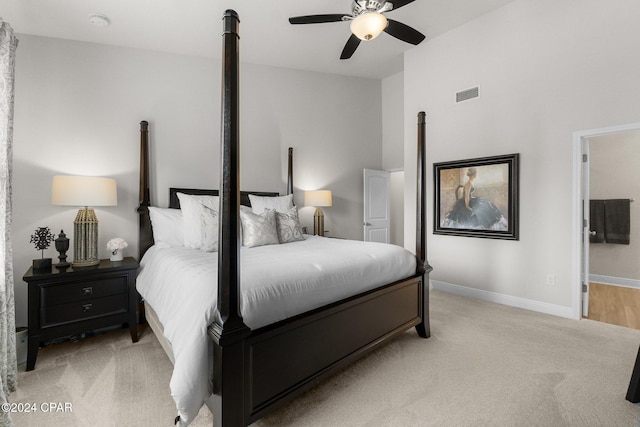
(367, 22)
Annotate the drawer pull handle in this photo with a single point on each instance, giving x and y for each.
(87, 291)
(86, 307)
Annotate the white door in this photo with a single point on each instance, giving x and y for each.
(586, 229)
(376, 206)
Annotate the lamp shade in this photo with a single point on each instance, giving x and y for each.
(369, 25)
(68, 190)
(319, 198)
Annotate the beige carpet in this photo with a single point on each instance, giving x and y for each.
(485, 365)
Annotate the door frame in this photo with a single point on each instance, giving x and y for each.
(580, 138)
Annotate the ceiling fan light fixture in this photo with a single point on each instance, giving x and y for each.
(369, 25)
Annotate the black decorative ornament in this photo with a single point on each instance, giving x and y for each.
(41, 239)
(62, 246)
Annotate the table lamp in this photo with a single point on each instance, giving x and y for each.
(84, 191)
(318, 199)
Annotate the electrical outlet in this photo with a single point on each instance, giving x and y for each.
(551, 279)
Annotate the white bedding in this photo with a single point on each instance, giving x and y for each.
(277, 282)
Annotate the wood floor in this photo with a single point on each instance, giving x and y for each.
(614, 304)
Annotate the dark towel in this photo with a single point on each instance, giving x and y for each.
(617, 222)
(596, 221)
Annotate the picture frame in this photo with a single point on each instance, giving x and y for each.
(478, 197)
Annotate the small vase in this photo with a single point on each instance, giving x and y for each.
(116, 256)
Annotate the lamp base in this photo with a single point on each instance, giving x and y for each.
(318, 222)
(85, 263)
(85, 245)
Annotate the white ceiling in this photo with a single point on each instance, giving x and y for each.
(193, 27)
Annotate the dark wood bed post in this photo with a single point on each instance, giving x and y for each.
(290, 172)
(145, 236)
(229, 331)
(633, 392)
(423, 266)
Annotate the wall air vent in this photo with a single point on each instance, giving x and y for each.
(468, 94)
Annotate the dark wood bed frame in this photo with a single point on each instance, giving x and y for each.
(257, 371)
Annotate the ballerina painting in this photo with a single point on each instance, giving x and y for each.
(477, 197)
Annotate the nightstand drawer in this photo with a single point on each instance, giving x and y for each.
(80, 310)
(60, 294)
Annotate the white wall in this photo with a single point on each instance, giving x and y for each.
(393, 122)
(546, 69)
(78, 108)
(396, 213)
(393, 151)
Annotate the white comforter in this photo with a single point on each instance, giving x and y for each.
(277, 282)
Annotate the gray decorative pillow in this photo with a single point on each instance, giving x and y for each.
(258, 230)
(288, 226)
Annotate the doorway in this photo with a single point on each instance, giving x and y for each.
(384, 198)
(377, 209)
(609, 276)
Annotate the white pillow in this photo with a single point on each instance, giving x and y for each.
(167, 226)
(279, 203)
(258, 230)
(288, 226)
(200, 221)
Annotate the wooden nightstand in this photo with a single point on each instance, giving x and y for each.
(67, 302)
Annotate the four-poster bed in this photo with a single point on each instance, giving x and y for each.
(255, 370)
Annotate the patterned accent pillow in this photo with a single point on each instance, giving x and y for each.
(258, 230)
(288, 226)
(279, 203)
(200, 221)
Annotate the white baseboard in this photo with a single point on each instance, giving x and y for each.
(527, 304)
(617, 281)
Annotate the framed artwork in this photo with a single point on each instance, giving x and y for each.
(477, 197)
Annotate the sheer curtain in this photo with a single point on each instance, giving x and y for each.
(8, 364)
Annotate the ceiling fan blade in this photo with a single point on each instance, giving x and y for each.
(316, 19)
(404, 32)
(397, 4)
(350, 47)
